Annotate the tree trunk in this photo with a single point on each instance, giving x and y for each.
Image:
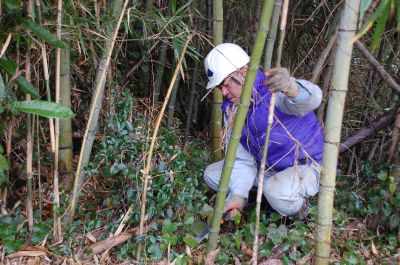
(95, 106)
(341, 69)
(216, 115)
(238, 125)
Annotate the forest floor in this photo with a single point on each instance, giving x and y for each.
(179, 205)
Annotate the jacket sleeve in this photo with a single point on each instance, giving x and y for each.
(308, 100)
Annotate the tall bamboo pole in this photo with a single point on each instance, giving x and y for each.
(171, 104)
(65, 138)
(118, 11)
(238, 125)
(334, 115)
(216, 115)
(56, 202)
(47, 80)
(269, 47)
(271, 111)
(29, 140)
(159, 73)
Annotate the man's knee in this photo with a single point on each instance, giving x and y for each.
(287, 190)
(212, 174)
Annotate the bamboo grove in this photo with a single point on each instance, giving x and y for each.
(106, 126)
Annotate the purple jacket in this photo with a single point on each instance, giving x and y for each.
(292, 137)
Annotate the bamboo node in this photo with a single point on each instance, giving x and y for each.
(330, 142)
(244, 105)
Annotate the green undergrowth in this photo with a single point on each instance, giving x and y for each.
(179, 205)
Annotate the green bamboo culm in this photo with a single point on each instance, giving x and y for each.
(65, 140)
(171, 103)
(269, 47)
(239, 121)
(216, 115)
(118, 11)
(334, 115)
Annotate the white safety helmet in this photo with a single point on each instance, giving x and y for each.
(222, 61)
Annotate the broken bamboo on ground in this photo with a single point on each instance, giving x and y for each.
(237, 128)
(111, 242)
(334, 116)
(90, 131)
(271, 111)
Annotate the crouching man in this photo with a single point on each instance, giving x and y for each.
(296, 139)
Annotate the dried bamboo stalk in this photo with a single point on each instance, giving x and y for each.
(47, 81)
(57, 233)
(148, 167)
(95, 109)
(29, 141)
(271, 111)
(395, 135)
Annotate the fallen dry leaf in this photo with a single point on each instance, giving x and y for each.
(374, 249)
(209, 258)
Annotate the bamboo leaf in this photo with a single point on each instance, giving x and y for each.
(380, 27)
(364, 7)
(42, 33)
(368, 25)
(12, 6)
(43, 108)
(10, 68)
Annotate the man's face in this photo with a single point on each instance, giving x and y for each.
(231, 87)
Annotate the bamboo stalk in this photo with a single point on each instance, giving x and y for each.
(326, 86)
(47, 81)
(65, 137)
(395, 135)
(29, 141)
(271, 111)
(159, 73)
(339, 83)
(378, 67)
(148, 167)
(272, 35)
(322, 58)
(171, 105)
(282, 32)
(57, 233)
(96, 104)
(191, 98)
(216, 114)
(29, 149)
(39, 173)
(237, 127)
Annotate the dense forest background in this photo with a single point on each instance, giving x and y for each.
(106, 176)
